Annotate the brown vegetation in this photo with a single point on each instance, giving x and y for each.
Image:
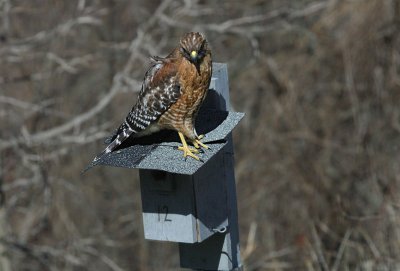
(317, 156)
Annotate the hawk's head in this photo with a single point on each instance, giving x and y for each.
(193, 47)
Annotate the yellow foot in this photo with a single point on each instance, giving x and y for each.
(197, 143)
(193, 150)
(186, 150)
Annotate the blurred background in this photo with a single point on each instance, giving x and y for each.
(317, 155)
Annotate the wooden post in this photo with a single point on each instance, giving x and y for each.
(199, 211)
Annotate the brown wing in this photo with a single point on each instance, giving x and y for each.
(159, 91)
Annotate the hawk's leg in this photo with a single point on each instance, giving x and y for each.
(185, 148)
(197, 143)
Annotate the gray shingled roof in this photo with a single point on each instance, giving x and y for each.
(159, 151)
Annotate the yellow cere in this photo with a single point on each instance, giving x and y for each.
(193, 54)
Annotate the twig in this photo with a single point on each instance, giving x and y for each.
(250, 244)
(319, 249)
(31, 107)
(371, 244)
(4, 261)
(78, 120)
(340, 252)
(109, 262)
(6, 4)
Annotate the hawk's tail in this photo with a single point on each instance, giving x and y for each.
(123, 133)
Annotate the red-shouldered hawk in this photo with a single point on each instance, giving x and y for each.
(172, 92)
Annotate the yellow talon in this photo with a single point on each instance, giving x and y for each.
(197, 143)
(190, 149)
(186, 150)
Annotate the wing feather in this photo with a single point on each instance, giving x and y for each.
(159, 91)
